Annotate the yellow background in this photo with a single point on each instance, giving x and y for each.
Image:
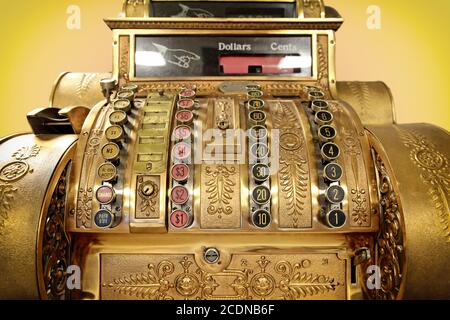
(410, 52)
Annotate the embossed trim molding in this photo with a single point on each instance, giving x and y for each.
(281, 87)
(228, 24)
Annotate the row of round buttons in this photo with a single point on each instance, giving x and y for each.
(259, 154)
(182, 153)
(330, 152)
(107, 172)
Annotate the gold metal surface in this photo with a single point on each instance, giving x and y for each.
(151, 144)
(135, 256)
(305, 8)
(395, 178)
(220, 202)
(77, 89)
(148, 197)
(294, 180)
(247, 277)
(76, 116)
(353, 143)
(29, 172)
(372, 101)
(418, 156)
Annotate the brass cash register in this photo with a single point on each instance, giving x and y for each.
(222, 159)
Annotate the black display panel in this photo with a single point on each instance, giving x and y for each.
(184, 56)
(213, 9)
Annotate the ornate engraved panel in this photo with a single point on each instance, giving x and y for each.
(322, 56)
(124, 59)
(224, 115)
(389, 248)
(287, 88)
(26, 152)
(85, 84)
(356, 177)
(312, 8)
(84, 208)
(7, 196)
(220, 201)
(248, 277)
(361, 92)
(435, 173)
(56, 246)
(148, 197)
(10, 173)
(293, 175)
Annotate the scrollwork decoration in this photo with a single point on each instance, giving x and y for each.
(151, 285)
(7, 195)
(166, 280)
(10, 173)
(389, 247)
(296, 283)
(56, 246)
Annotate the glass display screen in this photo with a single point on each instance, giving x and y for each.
(217, 9)
(181, 56)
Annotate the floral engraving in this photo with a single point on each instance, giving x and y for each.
(220, 189)
(435, 174)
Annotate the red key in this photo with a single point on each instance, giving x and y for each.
(184, 117)
(187, 94)
(179, 219)
(180, 172)
(179, 195)
(186, 104)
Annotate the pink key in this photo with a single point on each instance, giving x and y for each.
(105, 195)
(179, 219)
(184, 117)
(180, 172)
(179, 195)
(181, 151)
(182, 133)
(187, 94)
(186, 104)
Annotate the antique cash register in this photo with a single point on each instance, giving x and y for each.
(223, 159)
